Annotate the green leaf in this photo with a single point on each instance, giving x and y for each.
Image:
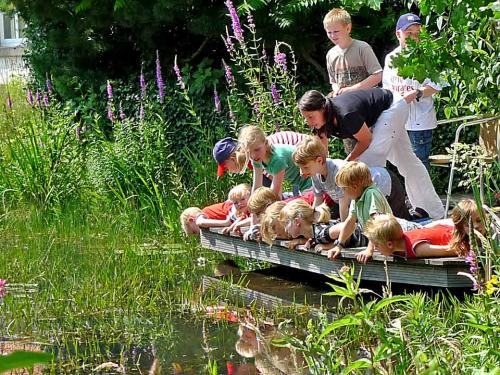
(360, 363)
(388, 301)
(349, 320)
(22, 359)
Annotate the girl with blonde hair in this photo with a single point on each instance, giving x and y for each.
(465, 216)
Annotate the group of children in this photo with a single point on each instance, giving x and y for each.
(337, 203)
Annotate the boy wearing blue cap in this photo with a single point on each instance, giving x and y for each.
(422, 118)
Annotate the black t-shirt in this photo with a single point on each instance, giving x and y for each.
(357, 107)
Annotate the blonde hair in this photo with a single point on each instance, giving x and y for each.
(461, 216)
(354, 174)
(300, 208)
(337, 15)
(308, 149)
(383, 228)
(250, 135)
(188, 213)
(261, 199)
(239, 191)
(270, 216)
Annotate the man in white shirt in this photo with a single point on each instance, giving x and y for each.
(422, 116)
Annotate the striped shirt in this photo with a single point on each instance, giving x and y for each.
(286, 138)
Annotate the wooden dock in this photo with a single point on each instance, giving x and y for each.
(439, 272)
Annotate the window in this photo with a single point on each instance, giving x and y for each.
(11, 30)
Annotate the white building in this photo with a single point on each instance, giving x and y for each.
(12, 43)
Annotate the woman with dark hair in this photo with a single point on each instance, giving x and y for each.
(377, 123)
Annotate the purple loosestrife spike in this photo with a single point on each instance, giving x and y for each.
(46, 102)
(3, 288)
(141, 113)
(48, 85)
(122, 114)
(109, 90)
(217, 102)
(29, 97)
(256, 108)
(229, 44)
(111, 115)
(238, 32)
(78, 133)
(159, 79)
(280, 60)
(229, 74)
(38, 100)
(275, 94)
(250, 22)
(142, 83)
(9, 101)
(177, 71)
(264, 54)
(232, 117)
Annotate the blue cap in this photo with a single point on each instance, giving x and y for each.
(221, 152)
(406, 20)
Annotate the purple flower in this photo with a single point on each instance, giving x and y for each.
(159, 78)
(217, 102)
(229, 73)
(250, 22)
(122, 114)
(3, 289)
(229, 44)
(232, 117)
(46, 102)
(141, 113)
(277, 125)
(264, 54)
(142, 83)
(109, 89)
(238, 32)
(275, 94)
(9, 101)
(29, 97)
(256, 108)
(38, 99)
(471, 260)
(111, 115)
(78, 132)
(48, 85)
(177, 71)
(280, 60)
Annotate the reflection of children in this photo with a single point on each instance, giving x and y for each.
(275, 159)
(217, 215)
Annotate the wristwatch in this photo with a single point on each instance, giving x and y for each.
(420, 93)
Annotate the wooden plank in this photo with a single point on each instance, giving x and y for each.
(441, 272)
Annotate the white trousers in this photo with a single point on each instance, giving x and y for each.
(390, 142)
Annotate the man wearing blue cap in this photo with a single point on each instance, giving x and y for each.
(422, 117)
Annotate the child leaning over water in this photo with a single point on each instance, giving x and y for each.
(366, 201)
(275, 159)
(217, 215)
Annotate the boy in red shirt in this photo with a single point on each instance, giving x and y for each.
(388, 237)
(223, 214)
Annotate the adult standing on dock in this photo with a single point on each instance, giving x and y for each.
(378, 124)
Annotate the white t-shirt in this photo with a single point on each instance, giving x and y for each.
(422, 115)
(380, 176)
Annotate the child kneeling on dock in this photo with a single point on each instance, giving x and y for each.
(439, 240)
(225, 214)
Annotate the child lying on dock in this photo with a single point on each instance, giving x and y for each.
(226, 214)
(439, 240)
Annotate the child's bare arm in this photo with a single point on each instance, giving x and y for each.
(425, 249)
(257, 178)
(204, 222)
(365, 255)
(347, 229)
(278, 182)
(344, 203)
(242, 223)
(292, 244)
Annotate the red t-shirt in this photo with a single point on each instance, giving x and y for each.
(218, 211)
(436, 235)
(309, 199)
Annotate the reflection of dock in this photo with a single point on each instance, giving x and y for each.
(441, 272)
